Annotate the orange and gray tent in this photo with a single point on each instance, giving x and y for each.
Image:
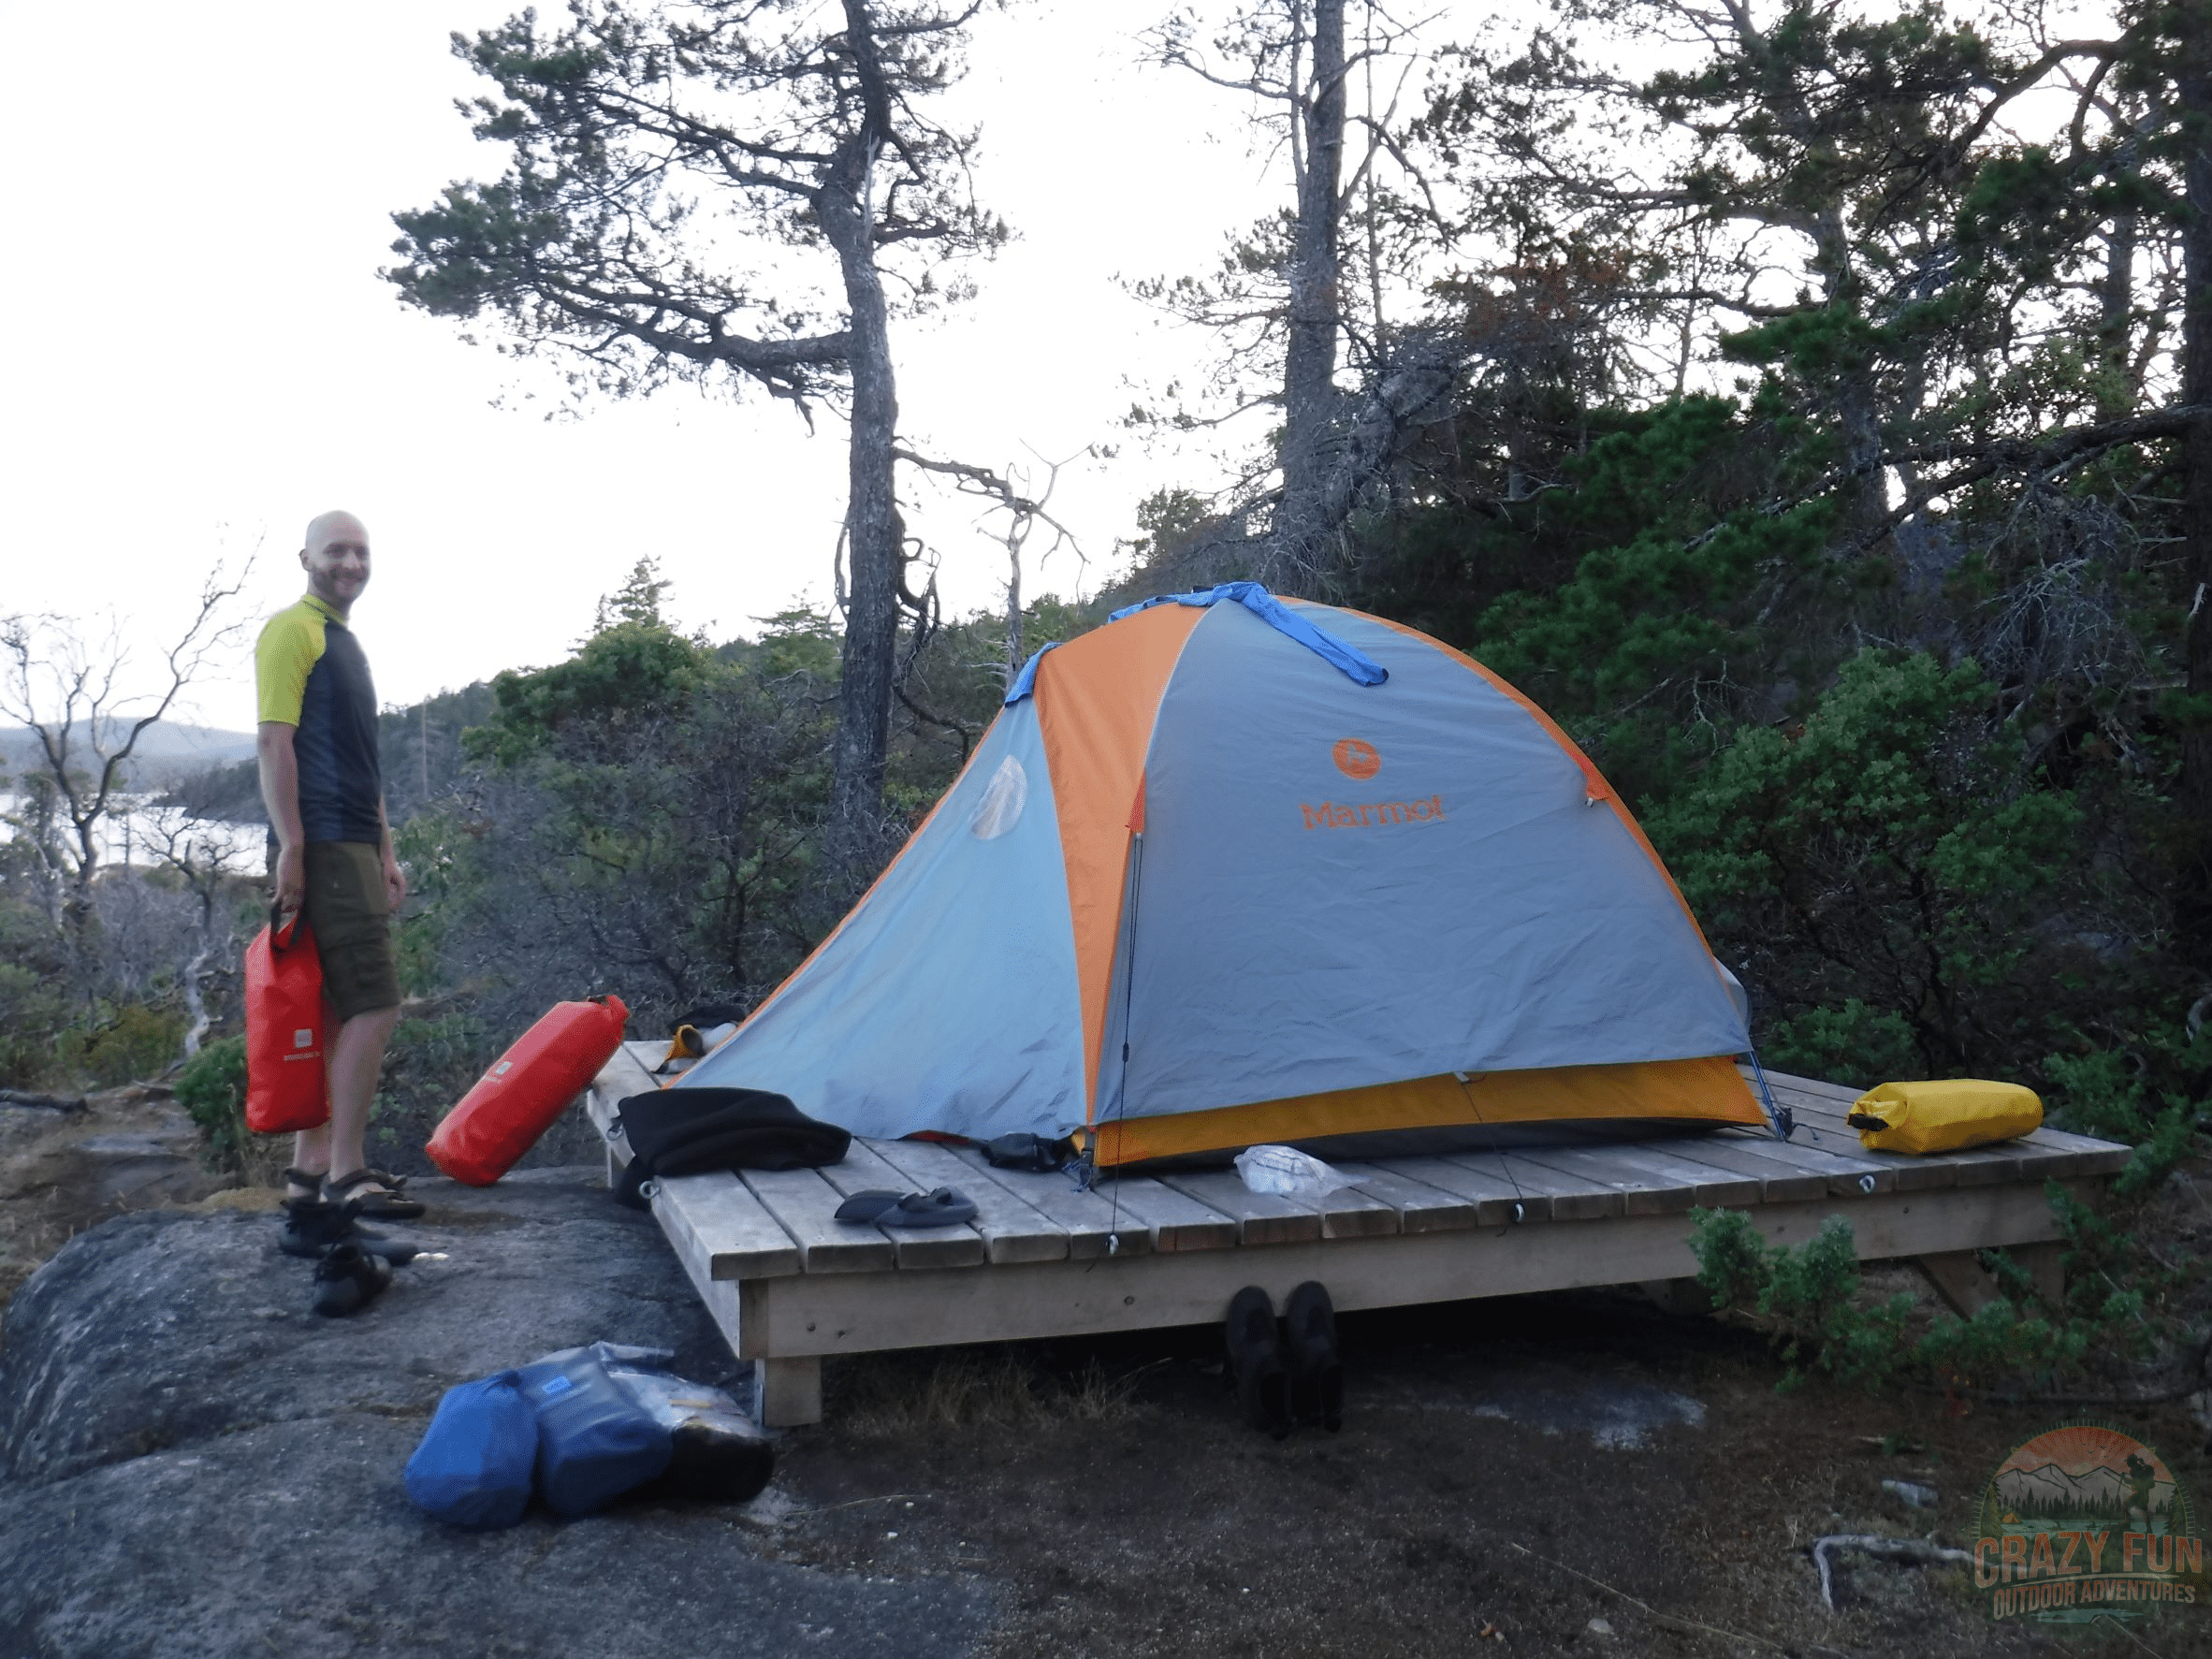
(1235, 868)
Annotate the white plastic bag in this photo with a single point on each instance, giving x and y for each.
(1285, 1169)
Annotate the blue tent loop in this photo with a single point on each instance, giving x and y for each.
(1025, 681)
(1355, 666)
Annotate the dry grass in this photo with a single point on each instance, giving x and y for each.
(1008, 1386)
(263, 1160)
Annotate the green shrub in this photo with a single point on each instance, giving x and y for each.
(1854, 1043)
(2104, 1094)
(1808, 1299)
(31, 1014)
(135, 1041)
(1881, 871)
(214, 1090)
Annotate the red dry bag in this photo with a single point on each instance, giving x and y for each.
(526, 1089)
(284, 1081)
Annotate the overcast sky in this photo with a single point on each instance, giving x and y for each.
(203, 355)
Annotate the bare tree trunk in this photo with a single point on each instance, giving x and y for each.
(195, 1003)
(2115, 312)
(1857, 411)
(872, 522)
(2193, 85)
(1309, 371)
(1013, 600)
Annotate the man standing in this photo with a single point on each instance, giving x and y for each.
(324, 789)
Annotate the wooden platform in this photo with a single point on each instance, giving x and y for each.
(788, 1285)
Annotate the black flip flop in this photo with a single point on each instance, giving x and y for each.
(946, 1206)
(867, 1207)
(1022, 1150)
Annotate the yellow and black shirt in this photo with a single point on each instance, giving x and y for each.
(310, 674)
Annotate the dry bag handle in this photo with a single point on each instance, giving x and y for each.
(279, 938)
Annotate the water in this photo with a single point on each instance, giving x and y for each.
(133, 832)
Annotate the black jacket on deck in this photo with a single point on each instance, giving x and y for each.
(692, 1131)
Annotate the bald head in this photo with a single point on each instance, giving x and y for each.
(324, 526)
(336, 560)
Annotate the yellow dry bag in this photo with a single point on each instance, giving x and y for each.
(1944, 1116)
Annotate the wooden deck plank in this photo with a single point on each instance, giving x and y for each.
(731, 1231)
(1490, 1196)
(1175, 1220)
(1908, 1175)
(1848, 1174)
(1643, 1187)
(1089, 1219)
(1567, 1196)
(619, 1079)
(802, 1202)
(1261, 1217)
(1011, 1231)
(599, 1108)
(1708, 1184)
(1816, 1086)
(1354, 1212)
(1349, 1213)
(723, 1299)
(2095, 1157)
(1778, 1181)
(863, 1168)
(1421, 1205)
(644, 1056)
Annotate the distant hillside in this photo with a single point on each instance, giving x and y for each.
(212, 771)
(167, 750)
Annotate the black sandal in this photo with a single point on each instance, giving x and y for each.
(312, 1181)
(377, 1194)
(313, 1228)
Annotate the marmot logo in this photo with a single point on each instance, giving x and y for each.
(1355, 757)
(1369, 814)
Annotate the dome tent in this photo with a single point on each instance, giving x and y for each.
(1234, 868)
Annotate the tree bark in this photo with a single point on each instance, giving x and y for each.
(873, 528)
(2115, 313)
(1309, 372)
(2193, 93)
(1857, 411)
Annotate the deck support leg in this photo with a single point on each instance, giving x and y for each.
(789, 1391)
(1967, 1287)
(1961, 1280)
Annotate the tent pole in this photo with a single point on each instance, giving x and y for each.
(1128, 984)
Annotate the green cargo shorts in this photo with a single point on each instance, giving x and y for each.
(349, 910)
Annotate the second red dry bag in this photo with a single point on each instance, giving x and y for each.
(526, 1089)
(284, 1083)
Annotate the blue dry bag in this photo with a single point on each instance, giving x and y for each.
(595, 1440)
(474, 1465)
